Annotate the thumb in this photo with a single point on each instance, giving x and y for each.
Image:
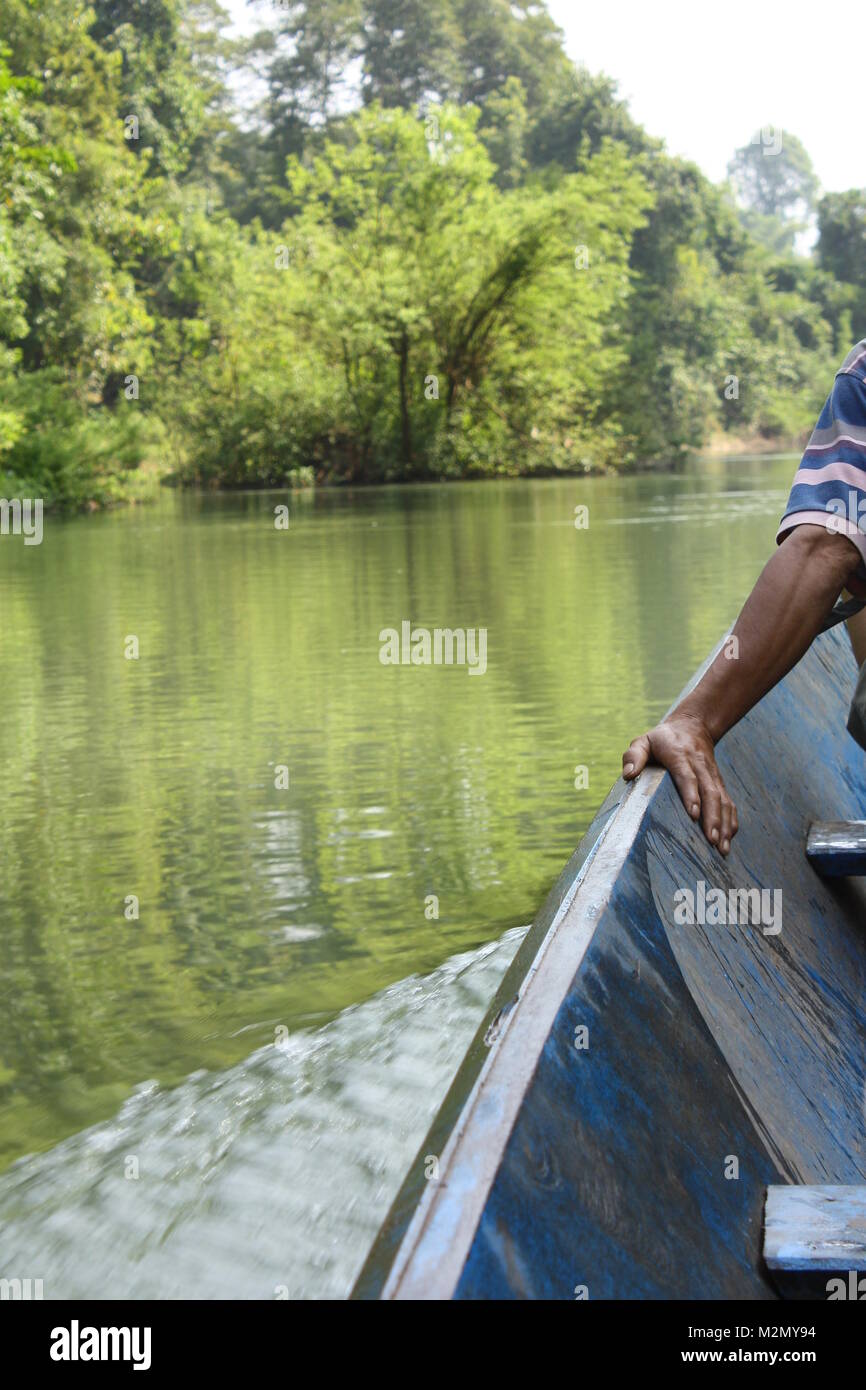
(636, 757)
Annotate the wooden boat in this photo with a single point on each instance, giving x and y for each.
(640, 1080)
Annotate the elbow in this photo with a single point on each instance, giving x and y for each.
(818, 547)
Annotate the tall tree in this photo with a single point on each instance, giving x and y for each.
(170, 79)
(410, 52)
(842, 235)
(775, 185)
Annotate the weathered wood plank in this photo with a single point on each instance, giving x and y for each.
(837, 849)
(815, 1228)
(605, 1171)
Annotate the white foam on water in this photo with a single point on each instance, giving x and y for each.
(270, 1179)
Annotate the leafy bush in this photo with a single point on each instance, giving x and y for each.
(52, 447)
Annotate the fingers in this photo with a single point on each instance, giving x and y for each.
(726, 831)
(689, 760)
(718, 812)
(711, 805)
(635, 757)
(686, 783)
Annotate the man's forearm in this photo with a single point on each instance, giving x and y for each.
(783, 614)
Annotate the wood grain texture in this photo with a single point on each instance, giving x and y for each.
(723, 1057)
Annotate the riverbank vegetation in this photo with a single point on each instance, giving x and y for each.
(381, 240)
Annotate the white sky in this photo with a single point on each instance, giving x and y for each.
(705, 77)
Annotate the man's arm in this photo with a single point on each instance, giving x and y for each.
(781, 617)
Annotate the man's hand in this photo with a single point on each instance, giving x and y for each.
(683, 745)
(783, 614)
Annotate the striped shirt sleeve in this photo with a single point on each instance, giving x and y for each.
(829, 488)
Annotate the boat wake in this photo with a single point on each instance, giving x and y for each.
(269, 1180)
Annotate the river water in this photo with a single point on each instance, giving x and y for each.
(257, 886)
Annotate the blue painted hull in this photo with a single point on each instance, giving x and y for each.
(641, 1079)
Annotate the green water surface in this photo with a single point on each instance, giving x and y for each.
(264, 907)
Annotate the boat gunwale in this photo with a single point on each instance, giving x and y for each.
(475, 1144)
(391, 1269)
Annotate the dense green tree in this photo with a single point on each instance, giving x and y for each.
(582, 110)
(76, 314)
(776, 186)
(505, 131)
(421, 321)
(410, 52)
(322, 55)
(434, 248)
(502, 39)
(842, 235)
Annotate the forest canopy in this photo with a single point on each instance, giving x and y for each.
(381, 240)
